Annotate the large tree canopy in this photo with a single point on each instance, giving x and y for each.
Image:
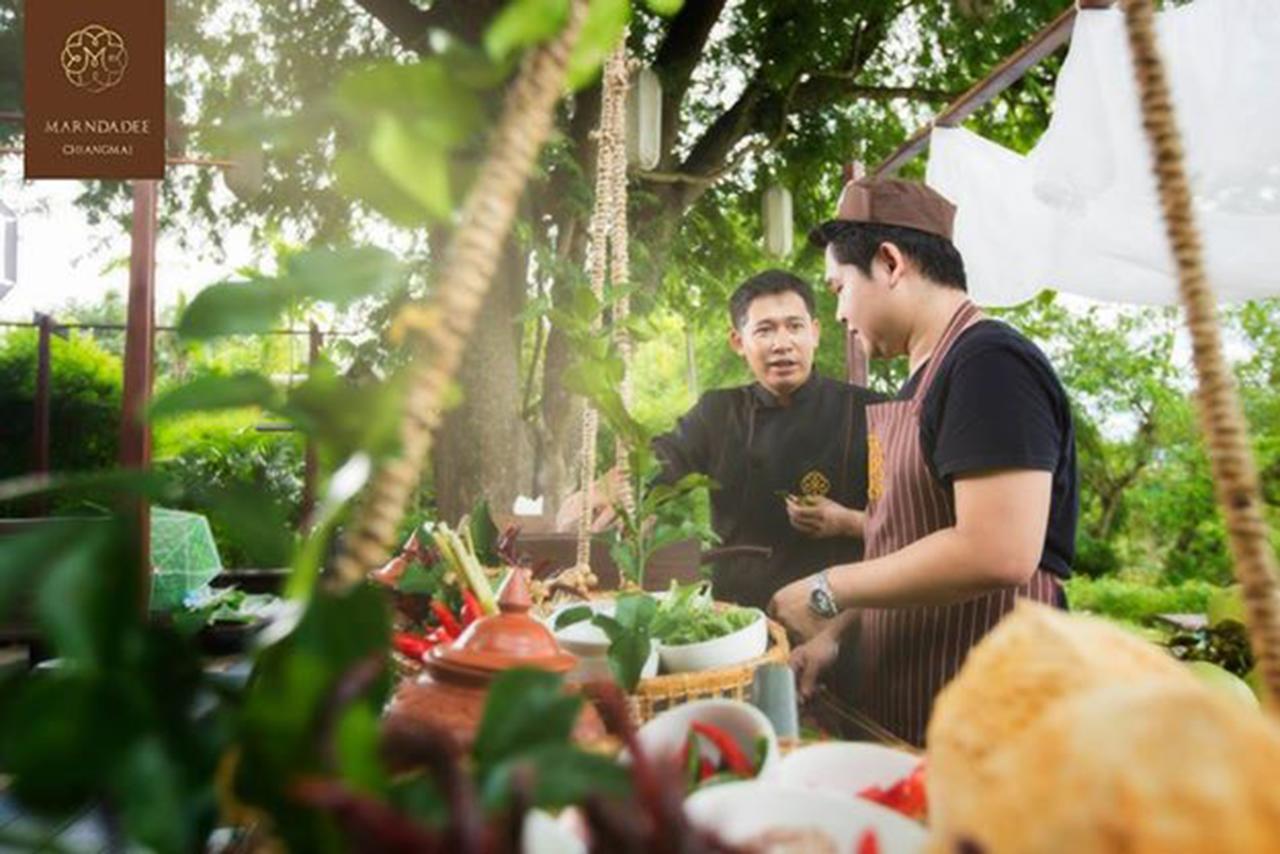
(754, 91)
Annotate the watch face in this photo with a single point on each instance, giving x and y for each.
(821, 603)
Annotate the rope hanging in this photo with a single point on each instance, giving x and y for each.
(608, 256)
(1221, 415)
(441, 326)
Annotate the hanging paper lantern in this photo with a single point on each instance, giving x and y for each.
(779, 229)
(644, 119)
(244, 177)
(8, 249)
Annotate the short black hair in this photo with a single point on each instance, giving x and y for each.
(858, 242)
(766, 284)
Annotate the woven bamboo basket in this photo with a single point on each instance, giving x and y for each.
(660, 693)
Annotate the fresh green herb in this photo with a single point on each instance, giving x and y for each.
(688, 615)
(573, 615)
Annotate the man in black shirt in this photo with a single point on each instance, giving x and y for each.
(789, 433)
(973, 495)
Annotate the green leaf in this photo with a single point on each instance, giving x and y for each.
(260, 521)
(442, 103)
(627, 656)
(292, 689)
(89, 599)
(562, 775)
(484, 533)
(417, 166)
(666, 8)
(636, 611)
(359, 734)
(422, 580)
(150, 781)
(233, 308)
(525, 709)
(215, 392)
(358, 176)
(573, 615)
(340, 276)
(346, 416)
(606, 20)
(523, 23)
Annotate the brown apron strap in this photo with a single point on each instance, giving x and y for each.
(965, 315)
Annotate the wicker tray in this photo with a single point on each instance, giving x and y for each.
(660, 693)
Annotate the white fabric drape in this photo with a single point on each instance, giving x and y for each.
(1079, 213)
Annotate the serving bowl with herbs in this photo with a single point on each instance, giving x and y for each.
(688, 628)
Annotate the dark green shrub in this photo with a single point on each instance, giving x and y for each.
(85, 389)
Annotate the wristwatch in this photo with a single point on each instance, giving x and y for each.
(821, 600)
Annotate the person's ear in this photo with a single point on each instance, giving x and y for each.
(817, 330)
(894, 262)
(735, 341)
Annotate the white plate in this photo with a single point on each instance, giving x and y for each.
(665, 735)
(842, 768)
(739, 812)
(743, 645)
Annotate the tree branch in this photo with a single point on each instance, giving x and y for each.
(409, 23)
(677, 58)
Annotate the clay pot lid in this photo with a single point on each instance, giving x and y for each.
(505, 640)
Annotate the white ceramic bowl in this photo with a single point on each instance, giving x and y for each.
(842, 768)
(743, 645)
(591, 645)
(582, 638)
(544, 835)
(739, 812)
(666, 733)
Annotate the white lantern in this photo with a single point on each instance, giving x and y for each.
(779, 230)
(644, 119)
(244, 176)
(8, 249)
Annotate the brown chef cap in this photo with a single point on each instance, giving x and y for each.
(891, 201)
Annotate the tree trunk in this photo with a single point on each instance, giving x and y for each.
(483, 448)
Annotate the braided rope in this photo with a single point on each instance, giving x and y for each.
(1221, 415)
(607, 256)
(619, 71)
(442, 326)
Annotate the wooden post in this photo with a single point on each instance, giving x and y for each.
(135, 433)
(855, 355)
(312, 469)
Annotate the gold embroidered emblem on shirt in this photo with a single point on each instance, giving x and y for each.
(875, 468)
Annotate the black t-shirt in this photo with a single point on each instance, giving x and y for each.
(755, 448)
(996, 403)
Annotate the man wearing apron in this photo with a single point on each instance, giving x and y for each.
(972, 493)
(774, 438)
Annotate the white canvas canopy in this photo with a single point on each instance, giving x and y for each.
(1080, 214)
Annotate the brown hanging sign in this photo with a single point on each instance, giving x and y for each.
(94, 80)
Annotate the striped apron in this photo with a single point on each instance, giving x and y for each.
(905, 655)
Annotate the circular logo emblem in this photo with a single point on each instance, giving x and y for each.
(94, 58)
(815, 483)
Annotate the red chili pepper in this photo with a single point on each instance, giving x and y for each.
(411, 645)
(448, 621)
(731, 753)
(869, 843)
(471, 610)
(907, 796)
(439, 635)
